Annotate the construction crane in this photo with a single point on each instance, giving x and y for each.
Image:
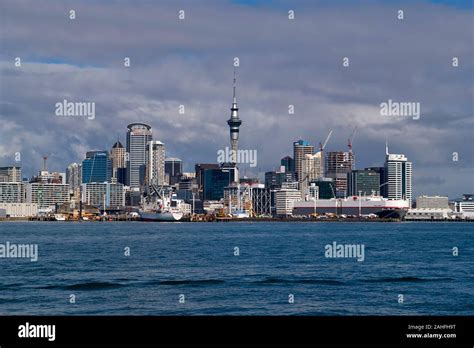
(351, 139)
(321, 148)
(349, 146)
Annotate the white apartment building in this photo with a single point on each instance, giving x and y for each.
(285, 200)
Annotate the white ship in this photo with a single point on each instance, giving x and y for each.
(59, 217)
(241, 214)
(353, 205)
(163, 208)
(160, 216)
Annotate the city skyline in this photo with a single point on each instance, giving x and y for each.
(172, 71)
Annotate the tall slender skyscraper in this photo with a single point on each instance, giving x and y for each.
(300, 149)
(398, 171)
(234, 123)
(156, 163)
(138, 136)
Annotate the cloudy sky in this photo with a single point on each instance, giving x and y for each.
(190, 62)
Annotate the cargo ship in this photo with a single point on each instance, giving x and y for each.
(163, 207)
(354, 205)
(160, 216)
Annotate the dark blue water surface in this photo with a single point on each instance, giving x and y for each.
(276, 259)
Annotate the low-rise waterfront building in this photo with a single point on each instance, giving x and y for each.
(20, 209)
(430, 214)
(432, 202)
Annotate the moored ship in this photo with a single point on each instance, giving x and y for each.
(160, 216)
(163, 207)
(354, 205)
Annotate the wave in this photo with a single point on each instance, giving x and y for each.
(405, 280)
(86, 286)
(13, 285)
(189, 282)
(299, 281)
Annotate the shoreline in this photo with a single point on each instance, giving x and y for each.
(226, 220)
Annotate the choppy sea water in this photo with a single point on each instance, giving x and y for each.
(275, 259)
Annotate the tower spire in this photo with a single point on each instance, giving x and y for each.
(234, 121)
(234, 88)
(386, 147)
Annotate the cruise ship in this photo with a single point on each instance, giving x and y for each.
(353, 205)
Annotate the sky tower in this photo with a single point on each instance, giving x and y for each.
(234, 123)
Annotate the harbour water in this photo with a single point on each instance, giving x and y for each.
(240, 268)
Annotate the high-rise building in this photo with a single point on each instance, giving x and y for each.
(271, 180)
(138, 136)
(288, 163)
(156, 163)
(173, 169)
(10, 174)
(199, 169)
(312, 167)
(276, 179)
(300, 149)
(338, 165)
(234, 123)
(98, 193)
(399, 176)
(96, 167)
(326, 188)
(363, 182)
(117, 157)
(383, 179)
(214, 182)
(74, 175)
